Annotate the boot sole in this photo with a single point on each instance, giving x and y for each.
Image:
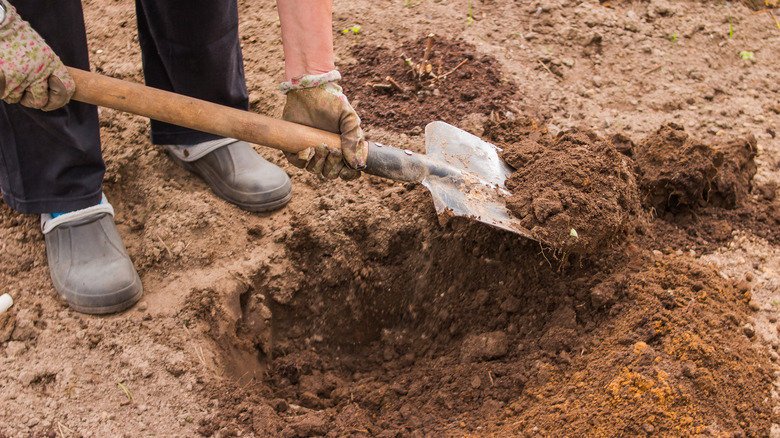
(114, 308)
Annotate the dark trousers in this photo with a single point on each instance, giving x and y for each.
(51, 162)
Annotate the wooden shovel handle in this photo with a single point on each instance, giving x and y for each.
(196, 114)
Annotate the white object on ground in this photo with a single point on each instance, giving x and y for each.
(5, 302)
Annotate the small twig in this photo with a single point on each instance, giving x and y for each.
(774, 18)
(453, 70)
(200, 354)
(395, 85)
(421, 69)
(548, 69)
(652, 70)
(541, 247)
(60, 426)
(127, 392)
(428, 47)
(165, 246)
(490, 375)
(380, 86)
(410, 64)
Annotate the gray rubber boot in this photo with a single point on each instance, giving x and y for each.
(88, 262)
(236, 173)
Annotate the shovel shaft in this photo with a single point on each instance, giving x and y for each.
(405, 165)
(196, 114)
(384, 161)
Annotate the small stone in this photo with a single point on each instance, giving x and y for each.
(511, 305)
(26, 378)
(310, 424)
(310, 400)
(748, 330)
(481, 297)
(491, 345)
(142, 306)
(648, 428)
(25, 327)
(280, 405)
(600, 295)
(15, 348)
(754, 306)
(689, 369)
(176, 364)
(476, 382)
(264, 311)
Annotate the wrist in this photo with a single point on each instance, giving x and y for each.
(295, 66)
(309, 81)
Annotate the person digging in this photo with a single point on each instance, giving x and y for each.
(50, 152)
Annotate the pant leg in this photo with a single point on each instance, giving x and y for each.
(51, 161)
(191, 47)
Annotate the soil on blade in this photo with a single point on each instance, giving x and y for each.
(575, 192)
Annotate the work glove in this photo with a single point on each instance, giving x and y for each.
(30, 72)
(317, 101)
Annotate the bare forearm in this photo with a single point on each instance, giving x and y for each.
(307, 36)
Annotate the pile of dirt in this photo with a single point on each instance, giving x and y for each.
(575, 192)
(474, 87)
(402, 327)
(677, 171)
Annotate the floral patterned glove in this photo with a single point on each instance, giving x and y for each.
(30, 72)
(317, 101)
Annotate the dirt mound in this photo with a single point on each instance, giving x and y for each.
(384, 328)
(677, 171)
(575, 192)
(452, 90)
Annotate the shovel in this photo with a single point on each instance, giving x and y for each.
(463, 173)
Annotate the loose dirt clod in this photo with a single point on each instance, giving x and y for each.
(575, 192)
(677, 171)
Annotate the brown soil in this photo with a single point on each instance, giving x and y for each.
(478, 86)
(575, 192)
(355, 312)
(678, 171)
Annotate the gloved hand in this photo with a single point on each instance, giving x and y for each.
(30, 72)
(317, 101)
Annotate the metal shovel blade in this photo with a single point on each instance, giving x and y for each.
(480, 192)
